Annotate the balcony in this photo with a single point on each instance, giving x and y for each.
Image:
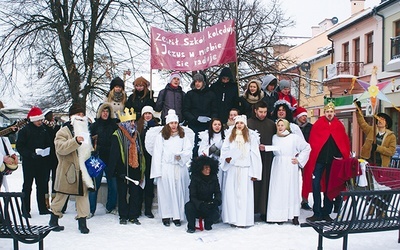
(394, 63)
(339, 77)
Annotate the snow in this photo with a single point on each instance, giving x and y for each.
(107, 233)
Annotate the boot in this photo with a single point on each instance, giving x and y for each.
(82, 226)
(147, 208)
(54, 223)
(47, 200)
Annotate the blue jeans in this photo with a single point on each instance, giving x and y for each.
(316, 185)
(111, 195)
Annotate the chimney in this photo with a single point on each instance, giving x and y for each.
(356, 6)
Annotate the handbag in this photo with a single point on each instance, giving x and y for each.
(94, 165)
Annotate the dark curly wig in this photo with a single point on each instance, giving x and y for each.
(197, 164)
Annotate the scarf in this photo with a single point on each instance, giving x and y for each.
(254, 99)
(118, 96)
(240, 142)
(132, 150)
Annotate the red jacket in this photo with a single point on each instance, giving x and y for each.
(319, 134)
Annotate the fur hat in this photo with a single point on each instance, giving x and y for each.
(141, 81)
(171, 117)
(105, 105)
(268, 80)
(147, 109)
(117, 82)
(35, 114)
(284, 84)
(75, 109)
(387, 118)
(256, 82)
(173, 75)
(300, 111)
(198, 77)
(197, 164)
(241, 118)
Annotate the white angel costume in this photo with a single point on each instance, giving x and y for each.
(238, 196)
(170, 175)
(284, 188)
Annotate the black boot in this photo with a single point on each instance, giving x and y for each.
(54, 223)
(147, 208)
(82, 225)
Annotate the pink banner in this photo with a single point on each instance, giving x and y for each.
(187, 52)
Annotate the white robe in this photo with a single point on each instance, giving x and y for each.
(171, 176)
(238, 194)
(284, 188)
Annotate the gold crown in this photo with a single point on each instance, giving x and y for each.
(330, 105)
(128, 116)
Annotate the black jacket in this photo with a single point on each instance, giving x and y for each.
(203, 189)
(137, 101)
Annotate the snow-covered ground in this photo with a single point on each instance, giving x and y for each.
(107, 233)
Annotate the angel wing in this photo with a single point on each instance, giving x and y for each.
(189, 133)
(151, 138)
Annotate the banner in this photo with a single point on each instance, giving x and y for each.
(188, 52)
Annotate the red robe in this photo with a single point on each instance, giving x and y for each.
(319, 135)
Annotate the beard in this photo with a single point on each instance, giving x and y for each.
(81, 128)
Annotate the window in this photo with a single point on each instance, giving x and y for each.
(346, 57)
(356, 43)
(370, 46)
(320, 79)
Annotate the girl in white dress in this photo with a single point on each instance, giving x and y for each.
(290, 153)
(172, 151)
(241, 161)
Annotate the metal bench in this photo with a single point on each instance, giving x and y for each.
(361, 212)
(17, 227)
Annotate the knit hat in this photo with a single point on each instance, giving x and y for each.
(284, 84)
(198, 77)
(35, 114)
(147, 109)
(241, 118)
(173, 75)
(387, 118)
(268, 80)
(117, 82)
(300, 111)
(141, 81)
(75, 109)
(171, 117)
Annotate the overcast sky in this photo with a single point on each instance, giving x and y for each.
(308, 13)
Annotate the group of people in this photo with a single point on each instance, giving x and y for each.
(237, 156)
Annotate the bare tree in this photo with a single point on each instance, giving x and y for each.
(69, 49)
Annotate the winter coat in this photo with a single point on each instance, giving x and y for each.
(68, 174)
(170, 98)
(306, 130)
(104, 130)
(199, 102)
(386, 150)
(227, 95)
(204, 189)
(270, 99)
(30, 138)
(137, 101)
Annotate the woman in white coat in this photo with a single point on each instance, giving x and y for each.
(290, 154)
(241, 161)
(172, 150)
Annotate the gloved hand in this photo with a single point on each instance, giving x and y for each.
(374, 146)
(358, 104)
(212, 149)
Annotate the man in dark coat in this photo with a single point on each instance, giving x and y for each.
(34, 144)
(199, 106)
(267, 129)
(171, 97)
(205, 193)
(328, 140)
(227, 94)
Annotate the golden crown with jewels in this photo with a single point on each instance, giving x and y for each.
(128, 116)
(330, 105)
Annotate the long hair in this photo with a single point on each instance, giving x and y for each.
(245, 132)
(289, 114)
(166, 132)
(145, 92)
(211, 131)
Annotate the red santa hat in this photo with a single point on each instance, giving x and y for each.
(300, 111)
(35, 114)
